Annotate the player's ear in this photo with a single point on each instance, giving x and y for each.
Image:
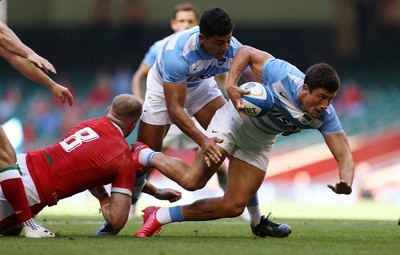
(173, 25)
(305, 88)
(202, 37)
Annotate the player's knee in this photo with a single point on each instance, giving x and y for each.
(117, 224)
(8, 158)
(234, 211)
(192, 185)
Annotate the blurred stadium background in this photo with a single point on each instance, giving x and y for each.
(96, 45)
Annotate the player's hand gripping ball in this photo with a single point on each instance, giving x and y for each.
(260, 100)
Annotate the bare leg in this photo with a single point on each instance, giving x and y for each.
(191, 177)
(243, 183)
(152, 135)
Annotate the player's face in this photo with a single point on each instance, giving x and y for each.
(315, 102)
(184, 20)
(215, 45)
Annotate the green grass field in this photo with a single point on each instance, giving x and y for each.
(375, 232)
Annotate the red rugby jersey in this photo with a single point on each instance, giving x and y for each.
(93, 153)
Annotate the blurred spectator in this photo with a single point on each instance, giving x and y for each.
(347, 44)
(350, 102)
(134, 12)
(102, 13)
(11, 99)
(364, 24)
(121, 80)
(44, 117)
(71, 118)
(134, 16)
(101, 93)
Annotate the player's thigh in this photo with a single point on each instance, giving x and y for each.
(7, 152)
(152, 135)
(244, 180)
(205, 114)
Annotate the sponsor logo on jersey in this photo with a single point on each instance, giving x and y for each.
(282, 119)
(282, 95)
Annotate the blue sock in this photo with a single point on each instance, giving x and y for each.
(253, 201)
(176, 214)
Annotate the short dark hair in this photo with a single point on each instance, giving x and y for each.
(185, 7)
(215, 21)
(323, 76)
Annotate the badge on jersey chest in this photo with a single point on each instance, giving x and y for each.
(306, 119)
(221, 62)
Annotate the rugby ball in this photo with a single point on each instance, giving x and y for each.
(259, 101)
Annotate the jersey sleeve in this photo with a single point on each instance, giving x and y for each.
(331, 123)
(276, 69)
(174, 68)
(151, 54)
(125, 179)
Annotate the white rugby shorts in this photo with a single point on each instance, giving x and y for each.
(155, 108)
(241, 140)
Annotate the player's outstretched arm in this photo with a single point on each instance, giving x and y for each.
(341, 187)
(35, 74)
(11, 43)
(340, 148)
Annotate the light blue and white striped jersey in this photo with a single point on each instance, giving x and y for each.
(183, 60)
(285, 81)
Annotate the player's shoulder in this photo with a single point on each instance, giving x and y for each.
(235, 43)
(181, 38)
(276, 66)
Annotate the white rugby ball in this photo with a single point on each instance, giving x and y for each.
(259, 101)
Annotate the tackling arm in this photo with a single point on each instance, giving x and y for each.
(175, 97)
(162, 194)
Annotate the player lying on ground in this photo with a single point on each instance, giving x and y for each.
(92, 154)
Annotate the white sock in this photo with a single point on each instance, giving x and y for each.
(31, 224)
(163, 216)
(145, 157)
(255, 215)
